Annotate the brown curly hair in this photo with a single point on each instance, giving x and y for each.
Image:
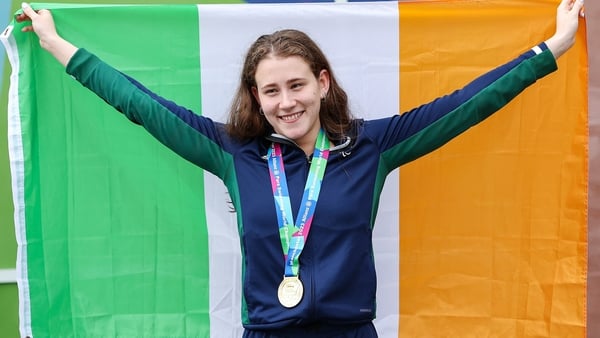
(245, 121)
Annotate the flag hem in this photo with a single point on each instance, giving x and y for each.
(17, 169)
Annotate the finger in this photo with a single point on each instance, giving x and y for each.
(578, 3)
(22, 17)
(28, 10)
(576, 6)
(43, 12)
(579, 8)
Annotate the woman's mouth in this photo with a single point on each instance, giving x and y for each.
(291, 117)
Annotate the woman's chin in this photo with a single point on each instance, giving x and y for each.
(291, 133)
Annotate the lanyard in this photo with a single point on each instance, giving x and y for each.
(294, 235)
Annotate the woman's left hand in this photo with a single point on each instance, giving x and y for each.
(567, 23)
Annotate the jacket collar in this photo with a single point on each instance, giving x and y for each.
(340, 146)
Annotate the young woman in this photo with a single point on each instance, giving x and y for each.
(296, 163)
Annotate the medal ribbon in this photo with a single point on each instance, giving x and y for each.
(294, 235)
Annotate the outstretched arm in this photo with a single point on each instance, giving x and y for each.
(567, 22)
(426, 128)
(192, 136)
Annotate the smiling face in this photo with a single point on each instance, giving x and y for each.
(290, 97)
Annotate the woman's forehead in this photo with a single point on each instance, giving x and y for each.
(277, 69)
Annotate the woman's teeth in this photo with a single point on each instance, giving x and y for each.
(291, 117)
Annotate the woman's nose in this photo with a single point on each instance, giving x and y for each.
(287, 100)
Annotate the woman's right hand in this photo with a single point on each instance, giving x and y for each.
(42, 23)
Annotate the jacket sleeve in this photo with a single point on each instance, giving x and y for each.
(195, 138)
(419, 131)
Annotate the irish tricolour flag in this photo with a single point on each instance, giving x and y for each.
(118, 237)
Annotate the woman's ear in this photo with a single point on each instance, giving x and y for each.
(324, 82)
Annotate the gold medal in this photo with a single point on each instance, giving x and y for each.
(290, 291)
